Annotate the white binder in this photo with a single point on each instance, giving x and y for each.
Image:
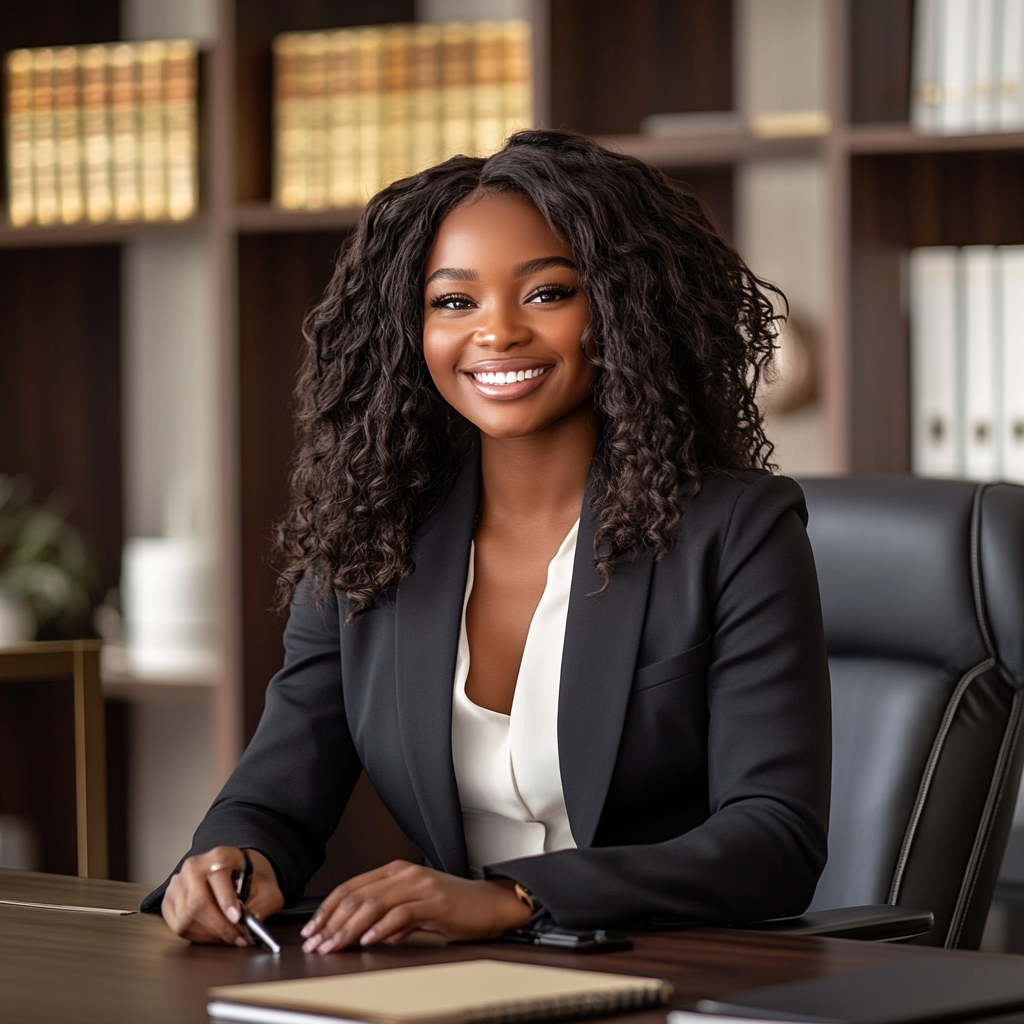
(926, 93)
(982, 396)
(1012, 316)
(1011, 66)
(956, 60)
(934, 363)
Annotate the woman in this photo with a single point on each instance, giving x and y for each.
(542, 588)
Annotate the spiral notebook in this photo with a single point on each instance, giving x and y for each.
(470, 992)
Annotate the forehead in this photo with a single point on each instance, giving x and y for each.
(493, 230)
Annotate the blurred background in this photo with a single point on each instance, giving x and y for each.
(174, 206)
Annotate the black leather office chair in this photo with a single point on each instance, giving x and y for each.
(922, 589)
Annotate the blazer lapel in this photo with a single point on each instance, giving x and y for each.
(602, 637)
(428, 615)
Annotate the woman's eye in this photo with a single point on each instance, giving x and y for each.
(452, 302)
(552, 293)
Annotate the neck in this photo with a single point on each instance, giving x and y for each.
(539, 479)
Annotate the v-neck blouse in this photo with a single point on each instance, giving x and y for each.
(506, 766)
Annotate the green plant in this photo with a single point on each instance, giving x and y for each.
(43, 562)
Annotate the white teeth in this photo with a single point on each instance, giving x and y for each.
(511, 377)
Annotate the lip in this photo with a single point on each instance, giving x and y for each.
(506, 392)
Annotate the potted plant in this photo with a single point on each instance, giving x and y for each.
(44, 570)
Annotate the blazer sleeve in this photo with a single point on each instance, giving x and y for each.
(287, 793)
(759, 853)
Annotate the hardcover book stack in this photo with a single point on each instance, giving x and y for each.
(967, 361)
(968, 73)
(355, 109)
(102, 133)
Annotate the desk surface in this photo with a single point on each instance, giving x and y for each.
(58, 966)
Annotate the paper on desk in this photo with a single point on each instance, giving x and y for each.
(63, 906)
(692, 1017)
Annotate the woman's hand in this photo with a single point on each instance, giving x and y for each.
(200, 903)
(389, 903)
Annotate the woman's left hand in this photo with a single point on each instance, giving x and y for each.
(389, 903)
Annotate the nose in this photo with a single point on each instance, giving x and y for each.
(501, 327)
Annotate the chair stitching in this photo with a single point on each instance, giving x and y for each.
(995, 798)
(933, 758)
(980, 612)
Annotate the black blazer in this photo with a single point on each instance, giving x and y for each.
(693, 720)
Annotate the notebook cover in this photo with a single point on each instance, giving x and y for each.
(469, 991)
(925, 989)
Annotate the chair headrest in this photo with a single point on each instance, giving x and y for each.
(931, 570)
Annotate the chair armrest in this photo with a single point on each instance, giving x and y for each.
(877, 923)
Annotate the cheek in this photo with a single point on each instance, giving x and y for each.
(439, 354)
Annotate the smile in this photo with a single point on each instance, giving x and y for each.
(512, 377)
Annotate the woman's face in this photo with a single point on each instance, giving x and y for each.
(503, 317)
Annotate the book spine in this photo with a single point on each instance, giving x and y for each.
(314, 90)
(1012, 315)
(369, 74)
(425, 100)
(456, 99)
(181, 126)
(934, 363)
(152, 134)
(1011, 66)
(341, 86)
(44, 137)
(956, 35)
(69, 135)
(926, 93)
(96, 138)
(517, 78)
(395, 142)
(487, 87)
(981, 351)
(289, 124)
(124, 122)
(20, 201)
(984, 113)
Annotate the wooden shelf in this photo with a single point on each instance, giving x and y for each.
(710, 150)
(879, 139)
(266, 218)
(35, 236)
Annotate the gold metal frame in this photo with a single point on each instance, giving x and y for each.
(81, 660)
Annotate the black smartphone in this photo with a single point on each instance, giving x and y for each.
(597, 941)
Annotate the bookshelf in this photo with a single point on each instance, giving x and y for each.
(887, 189)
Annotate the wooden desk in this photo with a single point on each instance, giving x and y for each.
(58, 966)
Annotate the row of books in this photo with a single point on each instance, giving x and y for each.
(355, 109)
(968, 66)
(103, 132)
(967, 361)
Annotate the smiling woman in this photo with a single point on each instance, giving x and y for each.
(543, 588)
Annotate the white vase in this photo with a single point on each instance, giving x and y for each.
(16, 625)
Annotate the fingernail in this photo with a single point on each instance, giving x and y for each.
(233, 915)
(308, 929)
(368, 937)
(240, 941)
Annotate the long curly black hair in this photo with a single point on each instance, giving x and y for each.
(681, 332)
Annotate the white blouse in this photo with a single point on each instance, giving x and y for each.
(506, 766)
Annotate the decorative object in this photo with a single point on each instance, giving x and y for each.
(44, 570)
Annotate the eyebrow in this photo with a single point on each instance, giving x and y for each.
(453, 274)
(519, 270)
(532, 266)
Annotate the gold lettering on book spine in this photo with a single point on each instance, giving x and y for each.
(20, 199)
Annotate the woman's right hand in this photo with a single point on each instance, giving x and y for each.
(200, 903)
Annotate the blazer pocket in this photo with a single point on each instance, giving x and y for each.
(693, 660)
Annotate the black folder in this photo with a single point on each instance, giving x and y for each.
(958, 987)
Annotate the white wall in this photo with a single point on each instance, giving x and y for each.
(780, 212)
(169, 416)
